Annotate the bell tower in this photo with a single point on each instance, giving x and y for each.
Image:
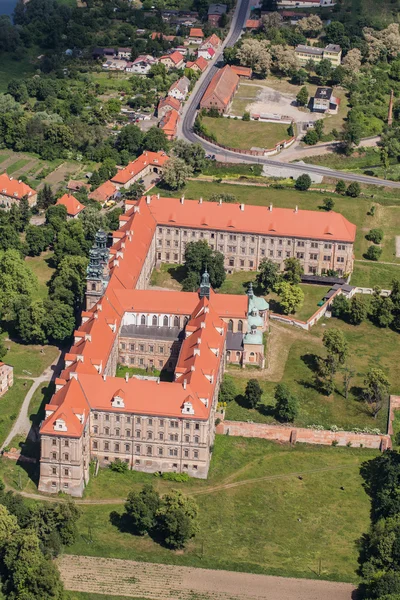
(97, 273)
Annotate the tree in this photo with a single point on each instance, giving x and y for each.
(290, 296)
(29, 318)
(155, 140)
(352, 61)
(382, 483)
(46, 197)
(193, 154)
(59, 321)
(348, 374)
(336, 344)
(272, 20)
(324, 70)
(177, 519)
(353, 190)
(268, 275)
(130, 139)
(293, 270)
(381, 309)
(227, 390)
(358, 310)
(17, 281)
(25, 212)
(285, 59)
(92, 220)
(329, 204)
(303, 182)
(340, 307)
(68, 282)
(302, 96)
(376, 390)
(253, 393)
(286, 407)
(375, 235)
(176, 172)
(352, 130)
(8, 526)
(56, 216)
(325, 372)
(340, 187)
(384, 156)
(112, 218)
(200, 257)
(311, 138)
(246, 116)
(141, 508)
(373, 253)
(255, 54)
(310, 25)
(35, 240)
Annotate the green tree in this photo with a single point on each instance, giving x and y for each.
(340, 187)
(59, 320)
(293, 270)
(193, 154)
(329, 204)
(29, 319)
(92, 220)
(130, 139)
(176, 172)
(268, 275)
(290, 296)
(155, 140)
(358, 310)
(384, 156)
(112, 218)
(340, 307)
(311, 138)
(382, 483)
(302, 96)
(324, 70)
(300, 77)
(286, 407)
(336, 344)
(381, 309)
(141, 508)
(46, 197)
(376, 390)
(68, 282)
(227, 390)
(348, 374)
(253, 393)
(375, 235)
(17, 281)
(353, 190)
(303, 182)
(373, 253)
(199, 257)
(177, 519)
(25, 212)
(246, 116)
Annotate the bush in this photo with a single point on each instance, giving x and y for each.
(340, 187)
(375, 235)
(354, 190)
(119, 466)
(334, 442)
(246, 116)
(286, 407)
(180, 477)
(373, 253)
(303, 182)
(328, 204)
(311, 137)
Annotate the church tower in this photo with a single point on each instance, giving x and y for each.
(97, 270)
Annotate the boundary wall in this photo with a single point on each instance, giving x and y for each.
(264, 152)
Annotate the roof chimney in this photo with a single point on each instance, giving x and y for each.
(126, 377)
(296, 210)
(148, 199)
(270, 207)
(201, 200)
(158, 196)
(104, 376)
(184, 384)
(220, 202)
(242, 207)
(158, 380)
(182, 199)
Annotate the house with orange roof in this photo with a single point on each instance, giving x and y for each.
(213, 41)
(244, 72)
(104, 193)
(169, 124)
(160, 36)
(73, 206)
(175, 60)
(206, 53)
(221, 90)
(13, 190)
(196, 35)
(148, 162)
(166, 104)
(253, 24)
(77, 186)
(199, 65)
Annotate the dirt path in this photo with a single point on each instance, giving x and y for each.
(160, 582)
(279, 343)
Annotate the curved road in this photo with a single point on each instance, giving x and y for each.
(189, 114)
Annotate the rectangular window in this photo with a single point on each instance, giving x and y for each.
(127, 447)
(107, 431)
(116, 447)
(66, 472)
(327, 258)
(161, 422)
(95, 445)
(95, 429)
(300, 244)
(300, 255)
(106, 446)
(160, 452)
(137, 449)
(314, 245)
(132, 347)
(54, 471)
(95, 416)
(128, 433)
(54, 442)
(161, 435)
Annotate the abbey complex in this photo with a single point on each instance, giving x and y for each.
(168, 425)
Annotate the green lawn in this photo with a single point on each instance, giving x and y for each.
(4, 157)
(40, 266)
(29, 360)
(246, 134)
(372, 274)
(16, 166)
(299, 521)
(10, 405)
(168, 275)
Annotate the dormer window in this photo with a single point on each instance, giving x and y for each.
(187, 408)
(60, 425)
(118, 399)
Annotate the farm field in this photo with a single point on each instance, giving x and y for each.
(246, 134)
(324, 522)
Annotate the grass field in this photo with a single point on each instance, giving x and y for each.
(40, 266)
(10, 405)
(298, 521)
(371, 274)
(246, 134)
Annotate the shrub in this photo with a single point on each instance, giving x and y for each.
(119, 466)
(180, 477)
(334, 442)
(246, 116)
(303, 182)
(354, 190)
(375, 235)
(373, 253)
(328, 204)
(311, 137)
(340, 187)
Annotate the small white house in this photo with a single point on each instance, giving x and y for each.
(179, 89)
(141, 65)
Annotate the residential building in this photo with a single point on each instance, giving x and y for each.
(206, 53)
(221, 90)
(324, 101)
(6, 377)
(124, 53)
(166, 104)
(212, 42)
(169, 123)
(179, 89)
(196, 35)
(73, 206)
(332, 52)
(253, 24)
(77, 186)
(148, 162)
(215, 11)
(114, 64)
(175, 60)
(199, 65)
(104, 193)
(13, 190)
(141, 65)
(244, 72)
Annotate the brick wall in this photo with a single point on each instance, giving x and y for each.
(285, 433)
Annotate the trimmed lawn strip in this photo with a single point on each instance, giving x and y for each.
(29, 360)
(40, 266)
(10, 405)
(373, 274)
(298, 521)
(246, 134)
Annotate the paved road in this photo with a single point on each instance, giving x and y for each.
(22, 424)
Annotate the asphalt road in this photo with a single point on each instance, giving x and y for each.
(189, 114)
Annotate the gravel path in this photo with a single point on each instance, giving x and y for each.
(161, 582)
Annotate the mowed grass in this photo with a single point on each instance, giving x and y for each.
(274, 522)
(369, 275)
(10, 405)
(29, 360)
(246, 134)
(41, 268)
(297, 358)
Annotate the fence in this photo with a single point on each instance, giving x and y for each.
(369, 291)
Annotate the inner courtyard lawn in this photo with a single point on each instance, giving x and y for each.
(246, 134)
(299, 521)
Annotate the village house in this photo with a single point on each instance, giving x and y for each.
(73, 206)
(169, 124)
(179, 89)
(161, 36)
(253, 24)
(104, 193)
(77, 186)
(148, 162)
(13, 190)
(206, 53)
(221, 90)
(324, 101)
(166, 104)
(6, 378)
(215, 12)
(175, 60)
(212, 42)
(124, 53)
(332, 52)
(243, 72)
(141, 65)
(196, 36)
(114, 64)
(199, 65)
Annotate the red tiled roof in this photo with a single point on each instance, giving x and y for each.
(135, 167)
(214, 40)
(253, 23)
(169, 123)
(200, 62)
(14, 188)
(196, 32)
(104, 192)
(73, 206)
(75, 186)
(242, 71)
(158, 36)
(169, 101)
(222, 85)
(176, 57)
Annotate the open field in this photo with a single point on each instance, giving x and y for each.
(86, 596)
(299, 521)
(368, 274)
(40, 266)
(10, 405)
(246, 134)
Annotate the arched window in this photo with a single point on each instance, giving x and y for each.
(176, 321)
(93, 286)
(230, 325)
(240, 325)
(228, 356)
(143, 320)
(238, 354)
(252, 357)
(154, 320)
(165, 321)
